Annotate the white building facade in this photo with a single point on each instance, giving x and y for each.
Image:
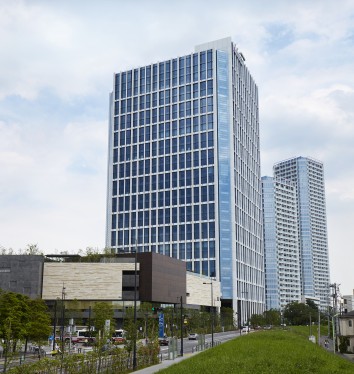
(281, 243)
(308, 176)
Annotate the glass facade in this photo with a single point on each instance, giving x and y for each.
(308, 176)
(163, 180)
(174, 168)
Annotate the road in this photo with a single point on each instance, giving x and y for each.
(190, 345)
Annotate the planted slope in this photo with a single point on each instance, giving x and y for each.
(265, 352)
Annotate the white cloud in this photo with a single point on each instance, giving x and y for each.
(57, 64)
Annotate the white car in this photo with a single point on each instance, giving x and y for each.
(245, 329)
(192, 336)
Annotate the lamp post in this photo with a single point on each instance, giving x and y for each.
(181, 301)
(55, 322)
(212, 312)
(62, 318)
(247, 314)
(135, 276)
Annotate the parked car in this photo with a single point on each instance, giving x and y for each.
(164, 341)
(192, 336)
(245, 329)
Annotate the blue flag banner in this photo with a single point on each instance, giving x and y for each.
(161, 325)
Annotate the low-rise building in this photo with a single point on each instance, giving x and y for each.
(346, 328)
(82, 281)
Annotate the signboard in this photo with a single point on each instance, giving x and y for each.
(161, 325)
(107, 325)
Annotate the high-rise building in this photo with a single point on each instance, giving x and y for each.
(281, 243)
(308, 176)
(184, 168)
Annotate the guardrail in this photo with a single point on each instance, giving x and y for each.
(207, 345)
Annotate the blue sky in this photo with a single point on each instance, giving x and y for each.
(57, 63)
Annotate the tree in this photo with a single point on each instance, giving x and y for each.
(33, 249)
(272, 317)
(257, 320)
(102, 312)
(21, 318)
(297, 313)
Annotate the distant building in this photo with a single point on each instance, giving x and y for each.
(184, 168)
(22, 274)
(348, 303)
(308, 176)
(281, 243)
(346, 328)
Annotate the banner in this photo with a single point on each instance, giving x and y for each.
(161, 325)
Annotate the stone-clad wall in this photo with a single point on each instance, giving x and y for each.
(84, 281)
(199, 293)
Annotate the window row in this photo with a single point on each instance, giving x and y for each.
(203, 212)
(183, 70)
(180, 94)
(166, 113)
(195, 158)
(162, 130)
(173, 145)
(125, 185)
(163, 198)
(163, 234)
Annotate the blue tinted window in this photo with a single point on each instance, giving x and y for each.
(182, 249)
(204, 175)
(160, 219)
(196, 213)
(196, 233)
(197, 267)
(182, 178)
(174, 250)
(211, 211)
(204, 208)
(212, 268)
(196, 250)
(205, 249)
(182, 158)
(182, 217)
(205, 268)
(174, 215)
(153, 234)
(196, 195)
(195, 158)
(188, 249)
(167, 180)
(182, 196)
(174, 179)
(211, 229)
(188, 213)
(205, 230)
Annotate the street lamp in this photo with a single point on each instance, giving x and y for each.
(135, 276)
(247, 314)
(181, 301)
(62, 317)
(212, 312)
(55, 323)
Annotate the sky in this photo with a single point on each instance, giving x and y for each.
(57, 64)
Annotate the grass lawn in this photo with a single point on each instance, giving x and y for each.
(273, 352)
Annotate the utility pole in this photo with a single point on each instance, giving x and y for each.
(55, 322)
(135, 275)
(212, 312)
(181, 326)
(62, 319)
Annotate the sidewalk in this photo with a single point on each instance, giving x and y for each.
(164, 364)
